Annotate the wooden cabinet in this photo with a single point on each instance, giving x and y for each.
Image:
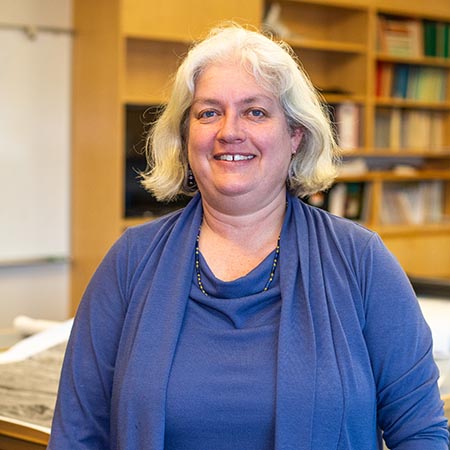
(418, 112)
(396, 148)
(125, 52)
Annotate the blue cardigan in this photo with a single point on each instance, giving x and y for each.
(354, 352)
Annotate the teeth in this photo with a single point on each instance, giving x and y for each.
(235, 157)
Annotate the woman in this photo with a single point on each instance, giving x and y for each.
(248, 320)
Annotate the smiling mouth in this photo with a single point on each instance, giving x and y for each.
(237, 157)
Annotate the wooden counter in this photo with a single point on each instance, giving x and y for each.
(14, 436)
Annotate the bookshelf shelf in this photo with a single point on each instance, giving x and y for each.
(339, 98)
(435, 10)
(327, 45)
(393, 176)
(408, 230)
(412, 104)
(442, 154)
(422, 61)
(419, 175)
(148, 36)
(351, 5)
(403, 153)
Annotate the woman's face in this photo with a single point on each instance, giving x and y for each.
(239, 143)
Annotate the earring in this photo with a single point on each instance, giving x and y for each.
(191, 179)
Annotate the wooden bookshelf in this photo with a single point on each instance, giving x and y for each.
(127, 54)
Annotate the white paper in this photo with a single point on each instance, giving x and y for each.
(27, 326)
(437, 314)
(37, 343)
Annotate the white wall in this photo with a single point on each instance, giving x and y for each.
(36, 120)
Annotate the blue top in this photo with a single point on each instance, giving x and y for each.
(221, 391)
(352, 355)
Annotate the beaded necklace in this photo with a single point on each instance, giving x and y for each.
(197, 265)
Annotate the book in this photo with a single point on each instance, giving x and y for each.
(429, 37)
(440, 39)
(416, 126)
(336, 199)
(412, 82)
(410, 129)
(347, 200)
(400, 36)
(346, 123)
(354, 200)
(395, 134)
(447, 41)
(400, 83)
(412, 202)
(384, 79)
(437, 129)
(382, 128)
(434, 198)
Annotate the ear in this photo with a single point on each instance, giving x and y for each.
(296, 138)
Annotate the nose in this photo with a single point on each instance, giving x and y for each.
(232, 129)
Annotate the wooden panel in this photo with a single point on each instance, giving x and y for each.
(149, 67)
(438, 8)
(335, 70)
(311, 21)
(422, 254)
(8, 443)
(97, 171)
(185, 19)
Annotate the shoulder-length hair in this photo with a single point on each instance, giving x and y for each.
(276, 67)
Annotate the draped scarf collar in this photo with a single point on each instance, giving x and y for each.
(308, 333)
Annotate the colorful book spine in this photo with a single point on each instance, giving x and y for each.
(411, 82)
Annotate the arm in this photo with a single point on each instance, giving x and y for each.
(410, 411)
(81, 419)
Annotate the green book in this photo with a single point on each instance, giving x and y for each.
(447, 41)
(440, 39)
(429, 35)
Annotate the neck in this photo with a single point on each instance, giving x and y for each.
(243, 228)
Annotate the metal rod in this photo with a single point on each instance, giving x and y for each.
(38, 261)
(33, 30)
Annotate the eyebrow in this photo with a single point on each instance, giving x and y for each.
(244, 101)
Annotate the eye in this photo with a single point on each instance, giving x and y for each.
(256, 113)
(207, 114)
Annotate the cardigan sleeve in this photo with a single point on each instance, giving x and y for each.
(82, 413)
(409, 408)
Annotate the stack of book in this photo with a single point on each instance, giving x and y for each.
(421, 130)
(400, 37)
(413, 38)
(411, 82)
(412, 203)
(346, 119)
(349, 200)
(436, 39)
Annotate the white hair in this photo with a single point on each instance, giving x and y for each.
(276, 67)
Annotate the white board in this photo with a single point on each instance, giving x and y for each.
(35, 79)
